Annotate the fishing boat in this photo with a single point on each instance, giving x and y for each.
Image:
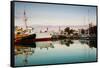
(28, 36)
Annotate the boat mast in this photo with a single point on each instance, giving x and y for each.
(89, 22)
(25, 20)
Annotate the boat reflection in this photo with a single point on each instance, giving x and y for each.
(46, 44)
(21, 49)
(26, 51)
(30, 49)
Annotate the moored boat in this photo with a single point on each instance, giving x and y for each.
(28, 36)
(29, 39)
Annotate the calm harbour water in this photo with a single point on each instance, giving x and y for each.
(56, 52)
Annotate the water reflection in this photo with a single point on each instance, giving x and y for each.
(67, 42)
(47, 45)
(23, 49)
(44, 51)
(26, 51)
(91, 43)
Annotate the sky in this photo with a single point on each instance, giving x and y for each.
(54, 15)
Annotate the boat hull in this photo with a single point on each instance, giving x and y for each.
(28, 40)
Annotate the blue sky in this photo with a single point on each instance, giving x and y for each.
(50, 14)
